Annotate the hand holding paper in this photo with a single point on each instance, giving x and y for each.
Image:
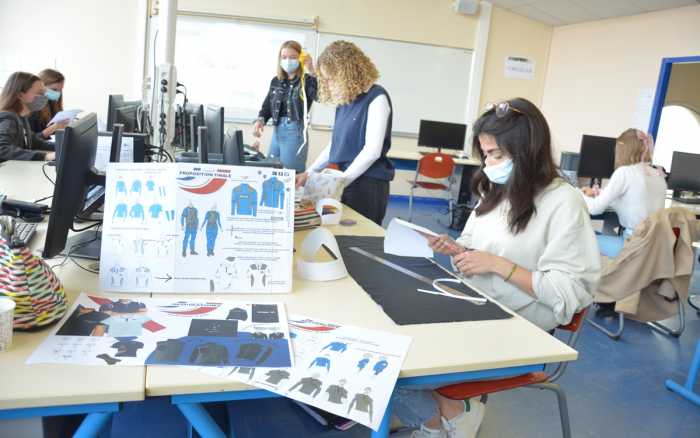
(65, 116)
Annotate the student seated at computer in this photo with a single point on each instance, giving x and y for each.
(528, 244)
(635, 190)
(22, 94)
(362, 129)
(39, 120)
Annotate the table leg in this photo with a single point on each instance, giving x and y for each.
(686, 390)
(200, 420)
(384, 426)
(92, 425)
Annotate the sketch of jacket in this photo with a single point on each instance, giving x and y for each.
(226, 273)
(322, 362)
(150, 185)
(209, 354)
(143, 276)
(155, 210)
(121, 187)
(251, 351)
(116, 275)
(336, 394)
(276, 376)
(244, 201)
(127, 348)
(137, 212)
(379, 367)
(120, 211)
(136, 187)
(272, 193)
(189, 218)
(258, 274)
(362, 364)
(362, 403)
(168, 350)
(309, 386)
(336, 346)
(250, 371)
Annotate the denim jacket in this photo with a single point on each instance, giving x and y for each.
(280, 90)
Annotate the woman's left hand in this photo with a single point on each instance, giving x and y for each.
(480, 262)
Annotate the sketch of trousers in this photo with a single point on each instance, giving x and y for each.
(190, 235)
(212, 232)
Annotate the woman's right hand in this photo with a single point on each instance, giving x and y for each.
(301, 179)
(52, 128)
(50, 156)
(444, 244)
(258, 128)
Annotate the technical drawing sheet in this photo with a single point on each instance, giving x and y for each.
(181, 227)
(348, 371)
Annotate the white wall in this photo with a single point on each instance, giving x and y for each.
(597, 69)
(96, 44)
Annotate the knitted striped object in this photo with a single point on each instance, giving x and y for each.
(32, 285)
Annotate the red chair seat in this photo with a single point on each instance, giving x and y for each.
(463, 391)
(428, 185)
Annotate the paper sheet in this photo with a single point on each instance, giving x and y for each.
(348, 371)
(197, 228)
(404, 239)
(116, 331)
(309, 269)
(104, 149)
(65, 115)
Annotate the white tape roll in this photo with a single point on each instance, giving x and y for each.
(308, 269)
(332, 218)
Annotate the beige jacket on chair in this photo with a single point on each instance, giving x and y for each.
(651, 267)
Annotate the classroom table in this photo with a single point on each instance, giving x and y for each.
(51, 389)
(440, 353)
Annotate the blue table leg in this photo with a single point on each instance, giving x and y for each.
(383, 431)
(687, 389)
(200, 419)
(92, 425)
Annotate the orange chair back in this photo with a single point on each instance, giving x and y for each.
(575, 323)
(436, 165)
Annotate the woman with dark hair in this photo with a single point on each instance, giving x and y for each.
(54, 81)
(528, 244)
(288, 101)
(22, 94)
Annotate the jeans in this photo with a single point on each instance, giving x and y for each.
(286, 139)
(610, 246)
(368, 196)
(190, 235)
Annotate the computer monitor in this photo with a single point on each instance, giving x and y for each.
(194, 118)
(202, 139)
(115, 101)
(442, 135)
(75, 180)
(214, 120)
(127, 115)
(115, 149)
(597, 159)
(233, 149)
(685, 176)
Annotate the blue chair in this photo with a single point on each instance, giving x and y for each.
(686, 390)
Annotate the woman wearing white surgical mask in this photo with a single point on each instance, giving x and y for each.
(22, 94)
(528, 244)
(40, 120)
(288, 103)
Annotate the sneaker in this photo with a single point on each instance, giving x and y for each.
(466, 424)
(422, 432)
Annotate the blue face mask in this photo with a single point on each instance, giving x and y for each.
(53, 95)
(289, 65)
(499, 173)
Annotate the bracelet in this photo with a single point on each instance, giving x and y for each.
(512, 271)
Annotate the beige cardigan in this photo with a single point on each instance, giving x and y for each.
(651, 267)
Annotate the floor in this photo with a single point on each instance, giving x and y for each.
(615, 389)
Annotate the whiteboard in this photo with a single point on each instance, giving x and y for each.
(424, 82)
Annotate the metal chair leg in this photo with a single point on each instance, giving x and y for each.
(613, 335)
(667, 330)
(692, 303)
(410, 205)
(563, 406)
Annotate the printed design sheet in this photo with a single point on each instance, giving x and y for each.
(180, 227)
(348, 371)
(136, 331)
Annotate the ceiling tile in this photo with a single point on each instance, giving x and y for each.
(510, 4)
(657, 5)
(608, 8)
(566, 11)
(536, 14)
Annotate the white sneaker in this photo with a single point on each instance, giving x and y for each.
(466, 425)
(422, 432)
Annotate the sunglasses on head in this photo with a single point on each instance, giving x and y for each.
(501, 108)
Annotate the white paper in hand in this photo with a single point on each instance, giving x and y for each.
(65, 115)
(403, 240)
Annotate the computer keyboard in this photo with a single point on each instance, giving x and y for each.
(24, 231)
(690, 201)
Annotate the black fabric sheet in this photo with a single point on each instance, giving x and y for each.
(396, 292)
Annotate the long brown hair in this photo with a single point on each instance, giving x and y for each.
(350, 67)
(50, 77)
(631, 148)
(18, 82)
(523, 133)
(281, 74)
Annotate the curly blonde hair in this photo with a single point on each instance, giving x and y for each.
(345, 64)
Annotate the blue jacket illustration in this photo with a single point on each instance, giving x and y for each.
(272, 193)
(137, 212)
(244, 200)
(322, 362)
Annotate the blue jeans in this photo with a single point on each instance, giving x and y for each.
(212, 232)
(610, 246)
(286, 139)
(190, 235)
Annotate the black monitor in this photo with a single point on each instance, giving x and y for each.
(194, 118)
(127, 115)
(442, 135)
(214, 120)
(202, 139)
(115, 101)
(115, 149)
(597, 159)
(233, 149)
(685, 175)
(76, 184)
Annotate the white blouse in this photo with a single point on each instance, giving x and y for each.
(557, 245)
(634, 192)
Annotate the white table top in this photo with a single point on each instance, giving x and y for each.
(23, 386)
(416, 155)
(436, 348)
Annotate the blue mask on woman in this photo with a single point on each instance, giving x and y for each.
(53, 95)
(289, 65)
(499, 173)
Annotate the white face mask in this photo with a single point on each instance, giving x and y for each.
(289, 65)
(499, 173)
